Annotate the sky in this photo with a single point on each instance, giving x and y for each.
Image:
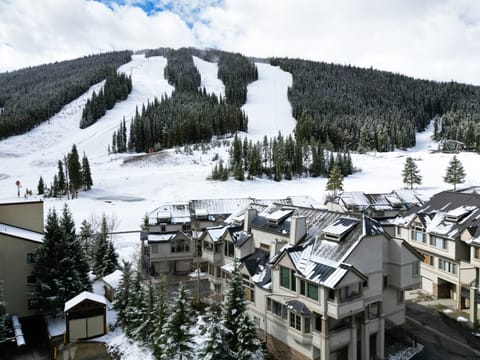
(430, 39)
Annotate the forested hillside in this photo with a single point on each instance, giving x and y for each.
(189, 115)
(366, 109)
(30, 96)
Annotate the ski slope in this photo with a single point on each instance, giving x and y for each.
(126, 186)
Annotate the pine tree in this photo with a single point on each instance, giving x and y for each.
(176, 338)
(86, 174)
(216, 345)
(455, 173)
(122, 294)
(234, 305)
(74, 171)
(79, 279)
(87, 240)
(135, 312)
(46, 265)
(60, 267)
(106, 260)
(249, 347)
(41, 186)
(335, 180)
(411, 173)
(159, 315)
(61, 180)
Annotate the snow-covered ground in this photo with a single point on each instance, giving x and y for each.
(126, 190)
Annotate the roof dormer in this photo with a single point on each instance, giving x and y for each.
(458, 214)
(278, 216)
(339, 228)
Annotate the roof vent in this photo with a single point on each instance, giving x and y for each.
(278, 216)
(341, 227)
(459, 213)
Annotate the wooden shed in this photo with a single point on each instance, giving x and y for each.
(111, 283)
(85, 316)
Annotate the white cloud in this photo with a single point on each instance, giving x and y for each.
(436, 39)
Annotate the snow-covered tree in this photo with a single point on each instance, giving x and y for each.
(160, 309)
(106, 259)
(216, 345)
(455, 173)
(249, 347)
(411, 173)
(122, 294)
(335, 180)
(234, 305)
(176, 338)
(135, 312)
(60, 268)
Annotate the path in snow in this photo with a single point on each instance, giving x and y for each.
(208, 72)
(267, 106)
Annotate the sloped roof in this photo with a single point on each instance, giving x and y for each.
(216, 233)
(113, 279)
(436, 215)
(20, 233)
(86, 295)
(163, 237)
(299, 307)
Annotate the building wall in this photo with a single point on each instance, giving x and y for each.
(26, 215)
(14, 271)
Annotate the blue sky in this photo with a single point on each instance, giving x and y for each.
(431, 39)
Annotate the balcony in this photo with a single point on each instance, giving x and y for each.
(345, 307)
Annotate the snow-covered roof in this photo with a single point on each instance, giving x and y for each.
(21, 233)
(279, 215)
(113, 279)
(164, 237)
(460, 211)
(341, 226)
(216, 233)
(86, 295)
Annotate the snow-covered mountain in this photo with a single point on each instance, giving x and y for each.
(128, 185)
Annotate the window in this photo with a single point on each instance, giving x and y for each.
(277, 308)
(438, 242)
(186, 227)
(228, 249)
(447, 266)
(302, 287)
(312, 291)
(207, 246)
(399, 230)
(306, 325)
(476, 253)
(180, 245)
(428, 259)
(163, 227)
(265, 246)
(295, 321)
(287, 278)
(418, 236)
(331, 294)
(32, 279)
(318, 322)
(400, 296)
(154, 249)
(30, 258)
(415, 269)
(249, 288)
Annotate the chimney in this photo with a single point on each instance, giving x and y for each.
(250, 214)
(298, 229)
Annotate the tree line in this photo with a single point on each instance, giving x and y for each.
(365, 109)
(164, 324)
(32, 95)
(62, 267)
(280, 158)
(189, 115)
(70, 177)
(117, 87)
